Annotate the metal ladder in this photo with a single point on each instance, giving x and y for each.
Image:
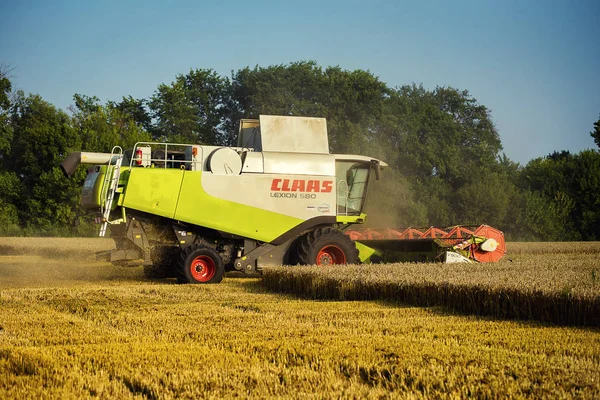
(110, 186)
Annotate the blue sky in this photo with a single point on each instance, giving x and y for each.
(534, 64)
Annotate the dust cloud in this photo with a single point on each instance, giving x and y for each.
(43, 262)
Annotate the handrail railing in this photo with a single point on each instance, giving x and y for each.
(342, 194)
(192, 154)
(109, 186)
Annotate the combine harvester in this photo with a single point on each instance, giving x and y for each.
(193, 211)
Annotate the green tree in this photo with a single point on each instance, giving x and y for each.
(444, 132)
(350, 100)
(6, 133)
(570, 186)
(10, 196)
(486, 200)
(585, 190)
(538, 217)
(596, 133)
(100, 127)
(136, 110)
(191, 109)
(43, 136)
(442, 141)
(5, 87)
(10, 185)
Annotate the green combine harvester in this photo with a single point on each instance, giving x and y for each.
(279, 198)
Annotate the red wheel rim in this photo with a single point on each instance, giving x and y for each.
(330, 255)
(203, 268)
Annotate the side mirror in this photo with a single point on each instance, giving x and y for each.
(350, 177)
(377, 167)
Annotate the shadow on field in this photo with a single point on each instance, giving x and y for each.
(438, 309)
(530, 323)
(502, 303)
(251, 285)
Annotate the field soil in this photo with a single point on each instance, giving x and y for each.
(74, 327)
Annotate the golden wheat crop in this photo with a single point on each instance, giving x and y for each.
(167, 341)
(554, 286)
(517, 249)
(107, 332)
(53, 247)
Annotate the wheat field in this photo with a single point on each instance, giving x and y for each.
(72, 327)
(553, 282)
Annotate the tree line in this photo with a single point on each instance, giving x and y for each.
(445, 154)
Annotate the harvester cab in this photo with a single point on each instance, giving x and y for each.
(193, 211)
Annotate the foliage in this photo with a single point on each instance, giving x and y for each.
(101, 127)
(443, 142)
(5, 89)
(445, 158)
(5, 127)
(566, 188)
(350, 100)
(36, 198)
(443, 133)
(136, 110)
(43, 136)
(190, 110)
(9, 197)
(596, 133)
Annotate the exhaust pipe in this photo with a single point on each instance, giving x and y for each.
(70, 164)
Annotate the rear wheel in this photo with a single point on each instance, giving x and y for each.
(326, 246)
(201, 264)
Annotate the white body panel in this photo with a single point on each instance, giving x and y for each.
(284, 134)
(297, 134)
(299, 196)
(299, 163)
(452, 258)
(253, 162)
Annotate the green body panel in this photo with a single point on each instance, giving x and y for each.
(92, 189)
(153, 190)
(198, 207)
(93, 193)
(365, 252)
(409, 250)
(179, 194)
(351, 219)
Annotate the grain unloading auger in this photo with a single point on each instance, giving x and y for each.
(193, 211)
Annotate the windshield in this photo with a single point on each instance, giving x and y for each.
(352, 179)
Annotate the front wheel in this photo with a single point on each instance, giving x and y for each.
(201, 264)
(326, 246)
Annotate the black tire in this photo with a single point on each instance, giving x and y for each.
(326, 246)
(201, 264)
